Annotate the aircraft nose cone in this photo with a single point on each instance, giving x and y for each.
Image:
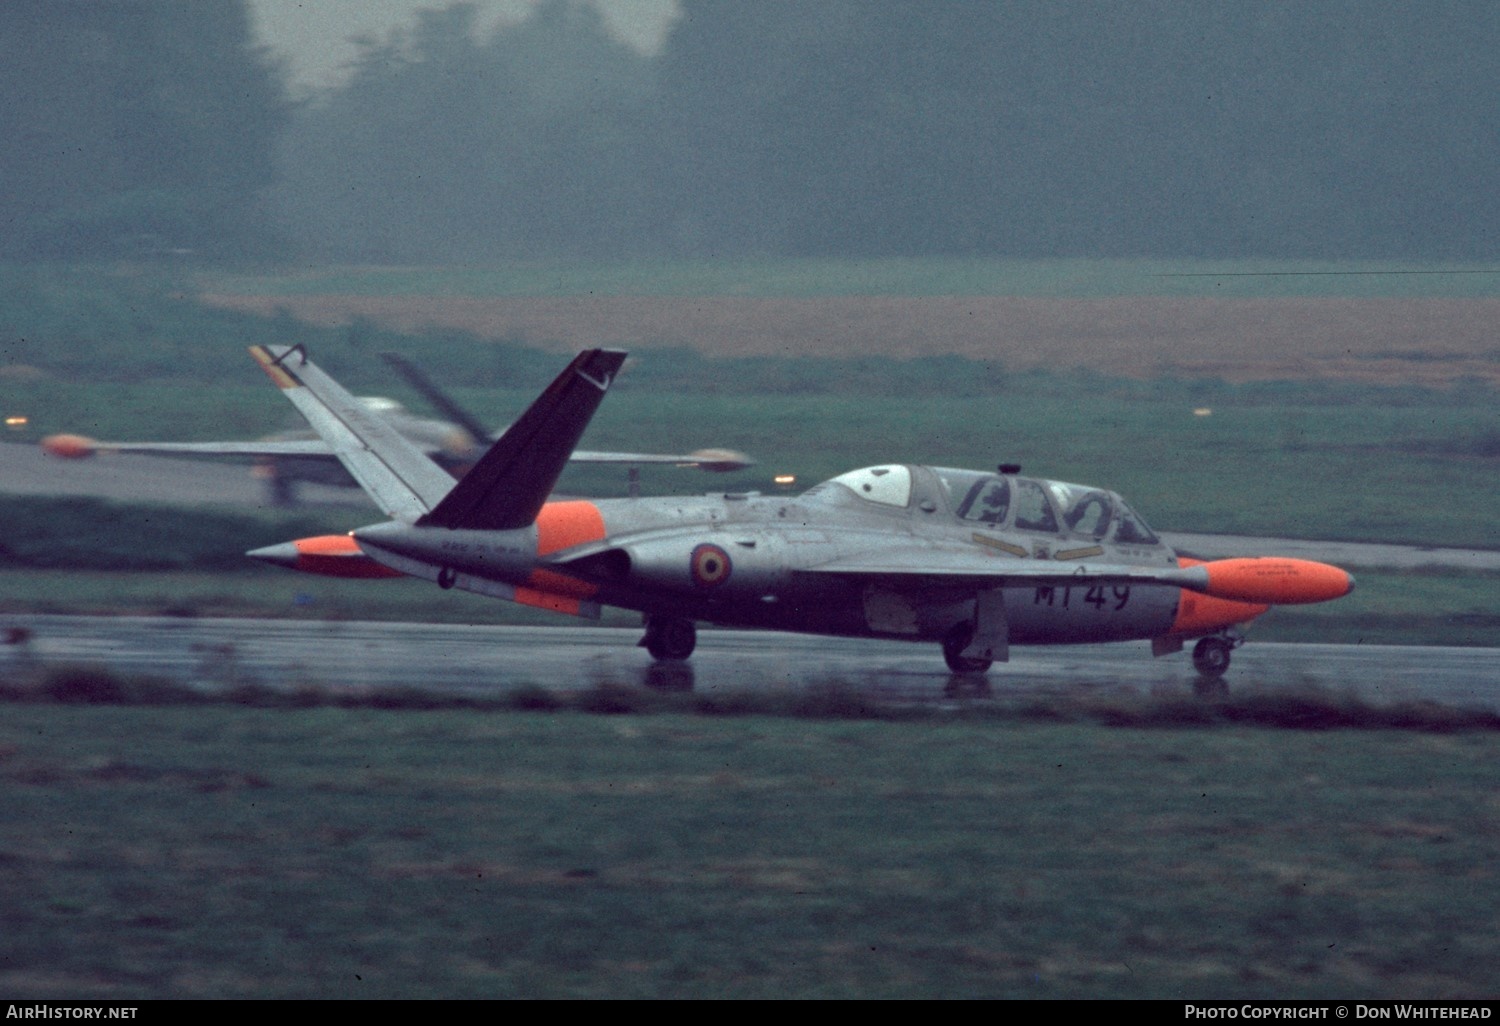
(285, 554)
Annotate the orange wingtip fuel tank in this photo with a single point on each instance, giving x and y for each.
(329, 555)
(1276, 581)
(69, 447)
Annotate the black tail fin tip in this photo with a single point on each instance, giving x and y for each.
(507, 487)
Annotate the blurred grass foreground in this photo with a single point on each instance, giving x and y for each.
(225, 851)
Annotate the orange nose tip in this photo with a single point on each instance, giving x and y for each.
(69, 447)
(1277, 580)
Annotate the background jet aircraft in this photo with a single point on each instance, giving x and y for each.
(289, 457)
(972, 560)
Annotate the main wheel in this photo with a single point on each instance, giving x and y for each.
(1211, 657)
(281, 492)
(671, 639)
(953, 645)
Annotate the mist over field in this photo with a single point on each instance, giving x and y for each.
(1341, 129)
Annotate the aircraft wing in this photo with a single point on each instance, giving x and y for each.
(1266, 580)
(703, 459)
(79, 447)
(955, 566)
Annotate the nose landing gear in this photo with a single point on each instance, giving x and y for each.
(1211, 660)
(1211, 654)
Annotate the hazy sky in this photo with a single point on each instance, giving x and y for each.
(313, 35)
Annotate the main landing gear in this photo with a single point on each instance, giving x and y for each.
(669, 638)
(954, 644)
(281, 492)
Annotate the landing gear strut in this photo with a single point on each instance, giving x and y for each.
(669, 638)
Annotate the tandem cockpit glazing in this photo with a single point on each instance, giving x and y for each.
(997, 501)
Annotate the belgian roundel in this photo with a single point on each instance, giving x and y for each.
(710, 565)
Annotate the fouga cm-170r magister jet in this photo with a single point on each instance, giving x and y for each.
(974, 561)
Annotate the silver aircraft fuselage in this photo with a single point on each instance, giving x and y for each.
(753, 560)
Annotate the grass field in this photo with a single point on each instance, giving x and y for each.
(1352, 464)
(1239, 320)
(928, 276)
(211, 852)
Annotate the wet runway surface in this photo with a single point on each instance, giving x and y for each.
(484, 660)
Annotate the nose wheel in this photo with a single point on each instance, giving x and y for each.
(1211, 657)
(670, 638)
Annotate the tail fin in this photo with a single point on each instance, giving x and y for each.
(400, 478)
(507, 487)
(444, 402)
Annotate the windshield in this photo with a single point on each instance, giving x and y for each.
(1132, 529)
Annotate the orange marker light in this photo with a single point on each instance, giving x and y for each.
(1277, 581)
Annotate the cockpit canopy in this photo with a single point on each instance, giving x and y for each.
(888, 485)
(381, 404)
(1002, 502)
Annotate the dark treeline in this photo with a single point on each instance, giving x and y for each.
(860, 128)
(133, 127)
(446, 146)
